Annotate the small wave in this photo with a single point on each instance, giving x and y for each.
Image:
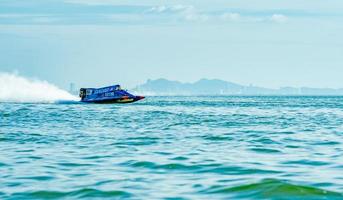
(14, 88)
(204, 168)
(265, 150)
(82, 193)
(137, 141)
(274, 189)
(154, 166)
(306, 162)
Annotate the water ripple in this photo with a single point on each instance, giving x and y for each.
(82, 193)
(174, 148)
(274, 189)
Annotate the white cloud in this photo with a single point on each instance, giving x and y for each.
(159, 9)
(279, 18)
(236, 17)
(190, 13)
(181, 13)
(185, 12)
(172, 9)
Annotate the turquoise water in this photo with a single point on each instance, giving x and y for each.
(174, 148)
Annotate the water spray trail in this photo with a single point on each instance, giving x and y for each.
(15, 88)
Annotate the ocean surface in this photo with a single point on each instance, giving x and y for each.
(174, 148)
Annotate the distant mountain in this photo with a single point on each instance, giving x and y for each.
(220, 87)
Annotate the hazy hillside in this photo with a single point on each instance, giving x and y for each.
(220, 87)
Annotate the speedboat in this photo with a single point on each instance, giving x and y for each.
(110, 94)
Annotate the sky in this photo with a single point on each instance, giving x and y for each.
(93, 43)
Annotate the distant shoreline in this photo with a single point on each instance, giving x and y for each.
(164, 87)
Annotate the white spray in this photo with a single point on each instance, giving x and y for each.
(14, 88)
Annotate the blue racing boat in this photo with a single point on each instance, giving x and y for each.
(111, 94)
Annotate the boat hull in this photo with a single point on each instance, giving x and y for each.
(114, 100)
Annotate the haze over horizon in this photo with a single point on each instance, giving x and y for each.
(97, 43)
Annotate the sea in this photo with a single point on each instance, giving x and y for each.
(174, 148)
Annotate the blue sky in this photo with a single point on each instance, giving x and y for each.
(267, 43)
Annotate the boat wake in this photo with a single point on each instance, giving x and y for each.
(15, 88)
